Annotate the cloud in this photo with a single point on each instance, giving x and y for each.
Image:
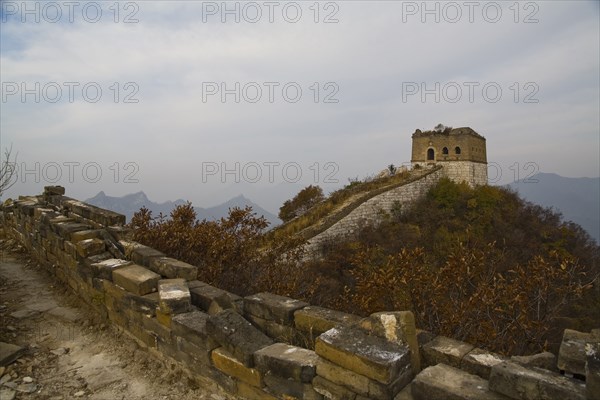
(364, 61)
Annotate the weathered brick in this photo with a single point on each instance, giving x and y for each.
(571, 355)
(172, 268)
(273, 307)
(289, 389)
(105, 268)
(397, 327)
(192, 327)
(480, 362)
(65, 229)
(237, 335)
(152, 325)
(165, 319)
(87, 234)
(361, 384)
(93, 213)
(317, 320)
(90, 247)
(136, 279)
(245, 391)
(143, 255)
(174, 296)
(146, 337)
(445, 350)
(225, 362)
(519, 382)
(371, 356)
(289, 362)
(592, 370)
(204, 294)
(445, 382)
(545, 360)
(331, 390)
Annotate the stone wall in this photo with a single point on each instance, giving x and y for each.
(474, 173)
(266, 346)
(371, 210)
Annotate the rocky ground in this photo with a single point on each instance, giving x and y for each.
(68, 352)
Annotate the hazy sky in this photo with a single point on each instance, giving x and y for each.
(181, 99)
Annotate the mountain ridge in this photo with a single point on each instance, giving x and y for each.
(577, 199)
(131, 203)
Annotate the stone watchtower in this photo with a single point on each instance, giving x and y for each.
(461, 151)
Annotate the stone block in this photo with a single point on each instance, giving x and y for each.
(592, 370)
(317, 320)
(54, 190)
(90, 247)
(445, 382)
(174, 296)
(331, 390)
(192, 327)
(289, 362)
(136, 279)
(289, 388)
(545, 360)
(151, 324)
(144, 336)
(172, 268)
(165, 319)
(520, 382)
(405, 394)
(397, 327)
(281, 333)
(361, 384)
(143, 255)
(445, 350)
(245, 391)
(65, 229)
(93, 213)
(201, 354)
(571, 355)
(225, 362)
(480, 362)
(237, 335)
(70, 248)
(98, 258)
(371, 356)
(273, 307)
(204, 294)
(105, 268)
(87, 234)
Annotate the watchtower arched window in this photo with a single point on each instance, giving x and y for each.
(445, 151)
(457, 150)
(430, 154)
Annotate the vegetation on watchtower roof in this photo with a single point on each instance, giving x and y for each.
(476, 264)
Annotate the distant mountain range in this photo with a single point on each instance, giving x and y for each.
(131, 203)
(578, 199)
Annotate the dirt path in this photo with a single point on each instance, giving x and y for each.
(69, 353)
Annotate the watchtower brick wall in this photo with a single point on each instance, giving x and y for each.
(461, 151)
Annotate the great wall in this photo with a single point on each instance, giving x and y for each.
(242, 344)
(266, 346)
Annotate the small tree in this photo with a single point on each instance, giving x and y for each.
(301, 203)
(8, 171)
